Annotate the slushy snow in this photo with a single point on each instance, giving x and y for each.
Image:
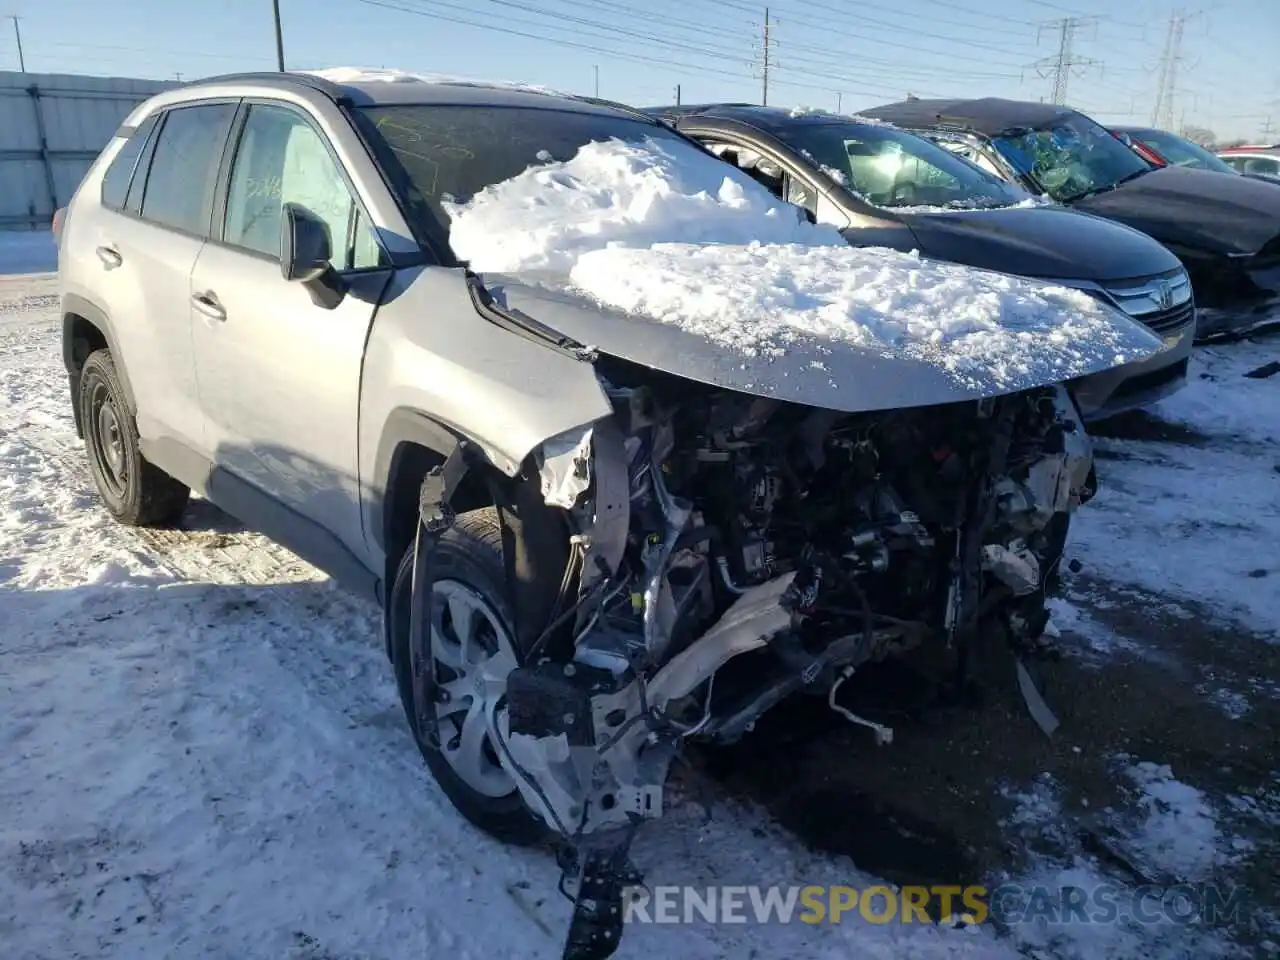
(667, 234)
(1180, 832)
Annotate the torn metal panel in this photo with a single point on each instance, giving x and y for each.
(565, 467)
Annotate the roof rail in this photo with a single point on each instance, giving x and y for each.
(276, 78)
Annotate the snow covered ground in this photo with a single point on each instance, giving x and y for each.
(201, 753)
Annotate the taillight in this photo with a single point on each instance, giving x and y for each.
(1150, 155)
(59, 217)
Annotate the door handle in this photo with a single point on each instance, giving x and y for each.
(109, 256)
(207, 304)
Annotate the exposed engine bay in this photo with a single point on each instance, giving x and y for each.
(730, 551)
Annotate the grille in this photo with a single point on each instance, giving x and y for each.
(1170, 319)
(1141, 300)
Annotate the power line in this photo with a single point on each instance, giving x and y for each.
(855, 84)
(845, 14)
(914, 31)
(1065, 61)
(823, 61)
(675, 66)
(912, 45)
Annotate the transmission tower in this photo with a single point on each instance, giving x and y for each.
(1061, 65)
(1170, 58)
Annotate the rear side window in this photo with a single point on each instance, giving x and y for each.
(187, 152)
(115, 183)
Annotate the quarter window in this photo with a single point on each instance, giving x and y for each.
(283, 159)
(180, 182)
(115, 182)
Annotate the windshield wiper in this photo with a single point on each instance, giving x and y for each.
(1134, 176)
(1106, 188)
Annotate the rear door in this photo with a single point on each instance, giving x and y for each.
(156, 198)
(280, 375)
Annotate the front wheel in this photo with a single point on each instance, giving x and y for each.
(472, 644)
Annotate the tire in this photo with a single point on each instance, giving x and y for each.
(135, 492)
(469, 554)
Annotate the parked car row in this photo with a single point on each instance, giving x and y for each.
(884, 187)
(1225, 230)
(1258, 161)
(628, 448)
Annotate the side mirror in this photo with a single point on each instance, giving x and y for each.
(305, 251)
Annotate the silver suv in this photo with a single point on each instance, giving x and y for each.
(586, 554)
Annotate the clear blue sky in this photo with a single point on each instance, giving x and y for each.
(855, 52)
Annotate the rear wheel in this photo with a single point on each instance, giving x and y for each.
(472, 644)
(135, 492)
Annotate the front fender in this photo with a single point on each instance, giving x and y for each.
(436, 371)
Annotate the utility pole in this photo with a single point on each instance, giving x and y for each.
(764, 86)
(1061, 65)
(275, 9)
(839, 102)
(17, 35)
(596, 68)
(677, 94)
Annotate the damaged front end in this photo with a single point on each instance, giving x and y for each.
(729, 551)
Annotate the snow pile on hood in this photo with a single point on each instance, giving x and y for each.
(616, 194)
(664, 233)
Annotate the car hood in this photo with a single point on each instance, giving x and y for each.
(1049, 241)
(1199, 209)
(830, 374)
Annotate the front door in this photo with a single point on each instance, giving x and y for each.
(279, 375)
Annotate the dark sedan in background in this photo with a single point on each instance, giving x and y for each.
(1163, 149)
(884, 187)
(1226, 230)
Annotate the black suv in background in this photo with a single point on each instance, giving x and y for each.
(884, 187)
(1226, 230)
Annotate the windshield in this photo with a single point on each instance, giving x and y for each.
(1072, 158)
(1182, 153)
(434, 153)
(892, 168)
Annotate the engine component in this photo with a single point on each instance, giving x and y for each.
(883, 734)
(1013, 565)
(736, 551)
